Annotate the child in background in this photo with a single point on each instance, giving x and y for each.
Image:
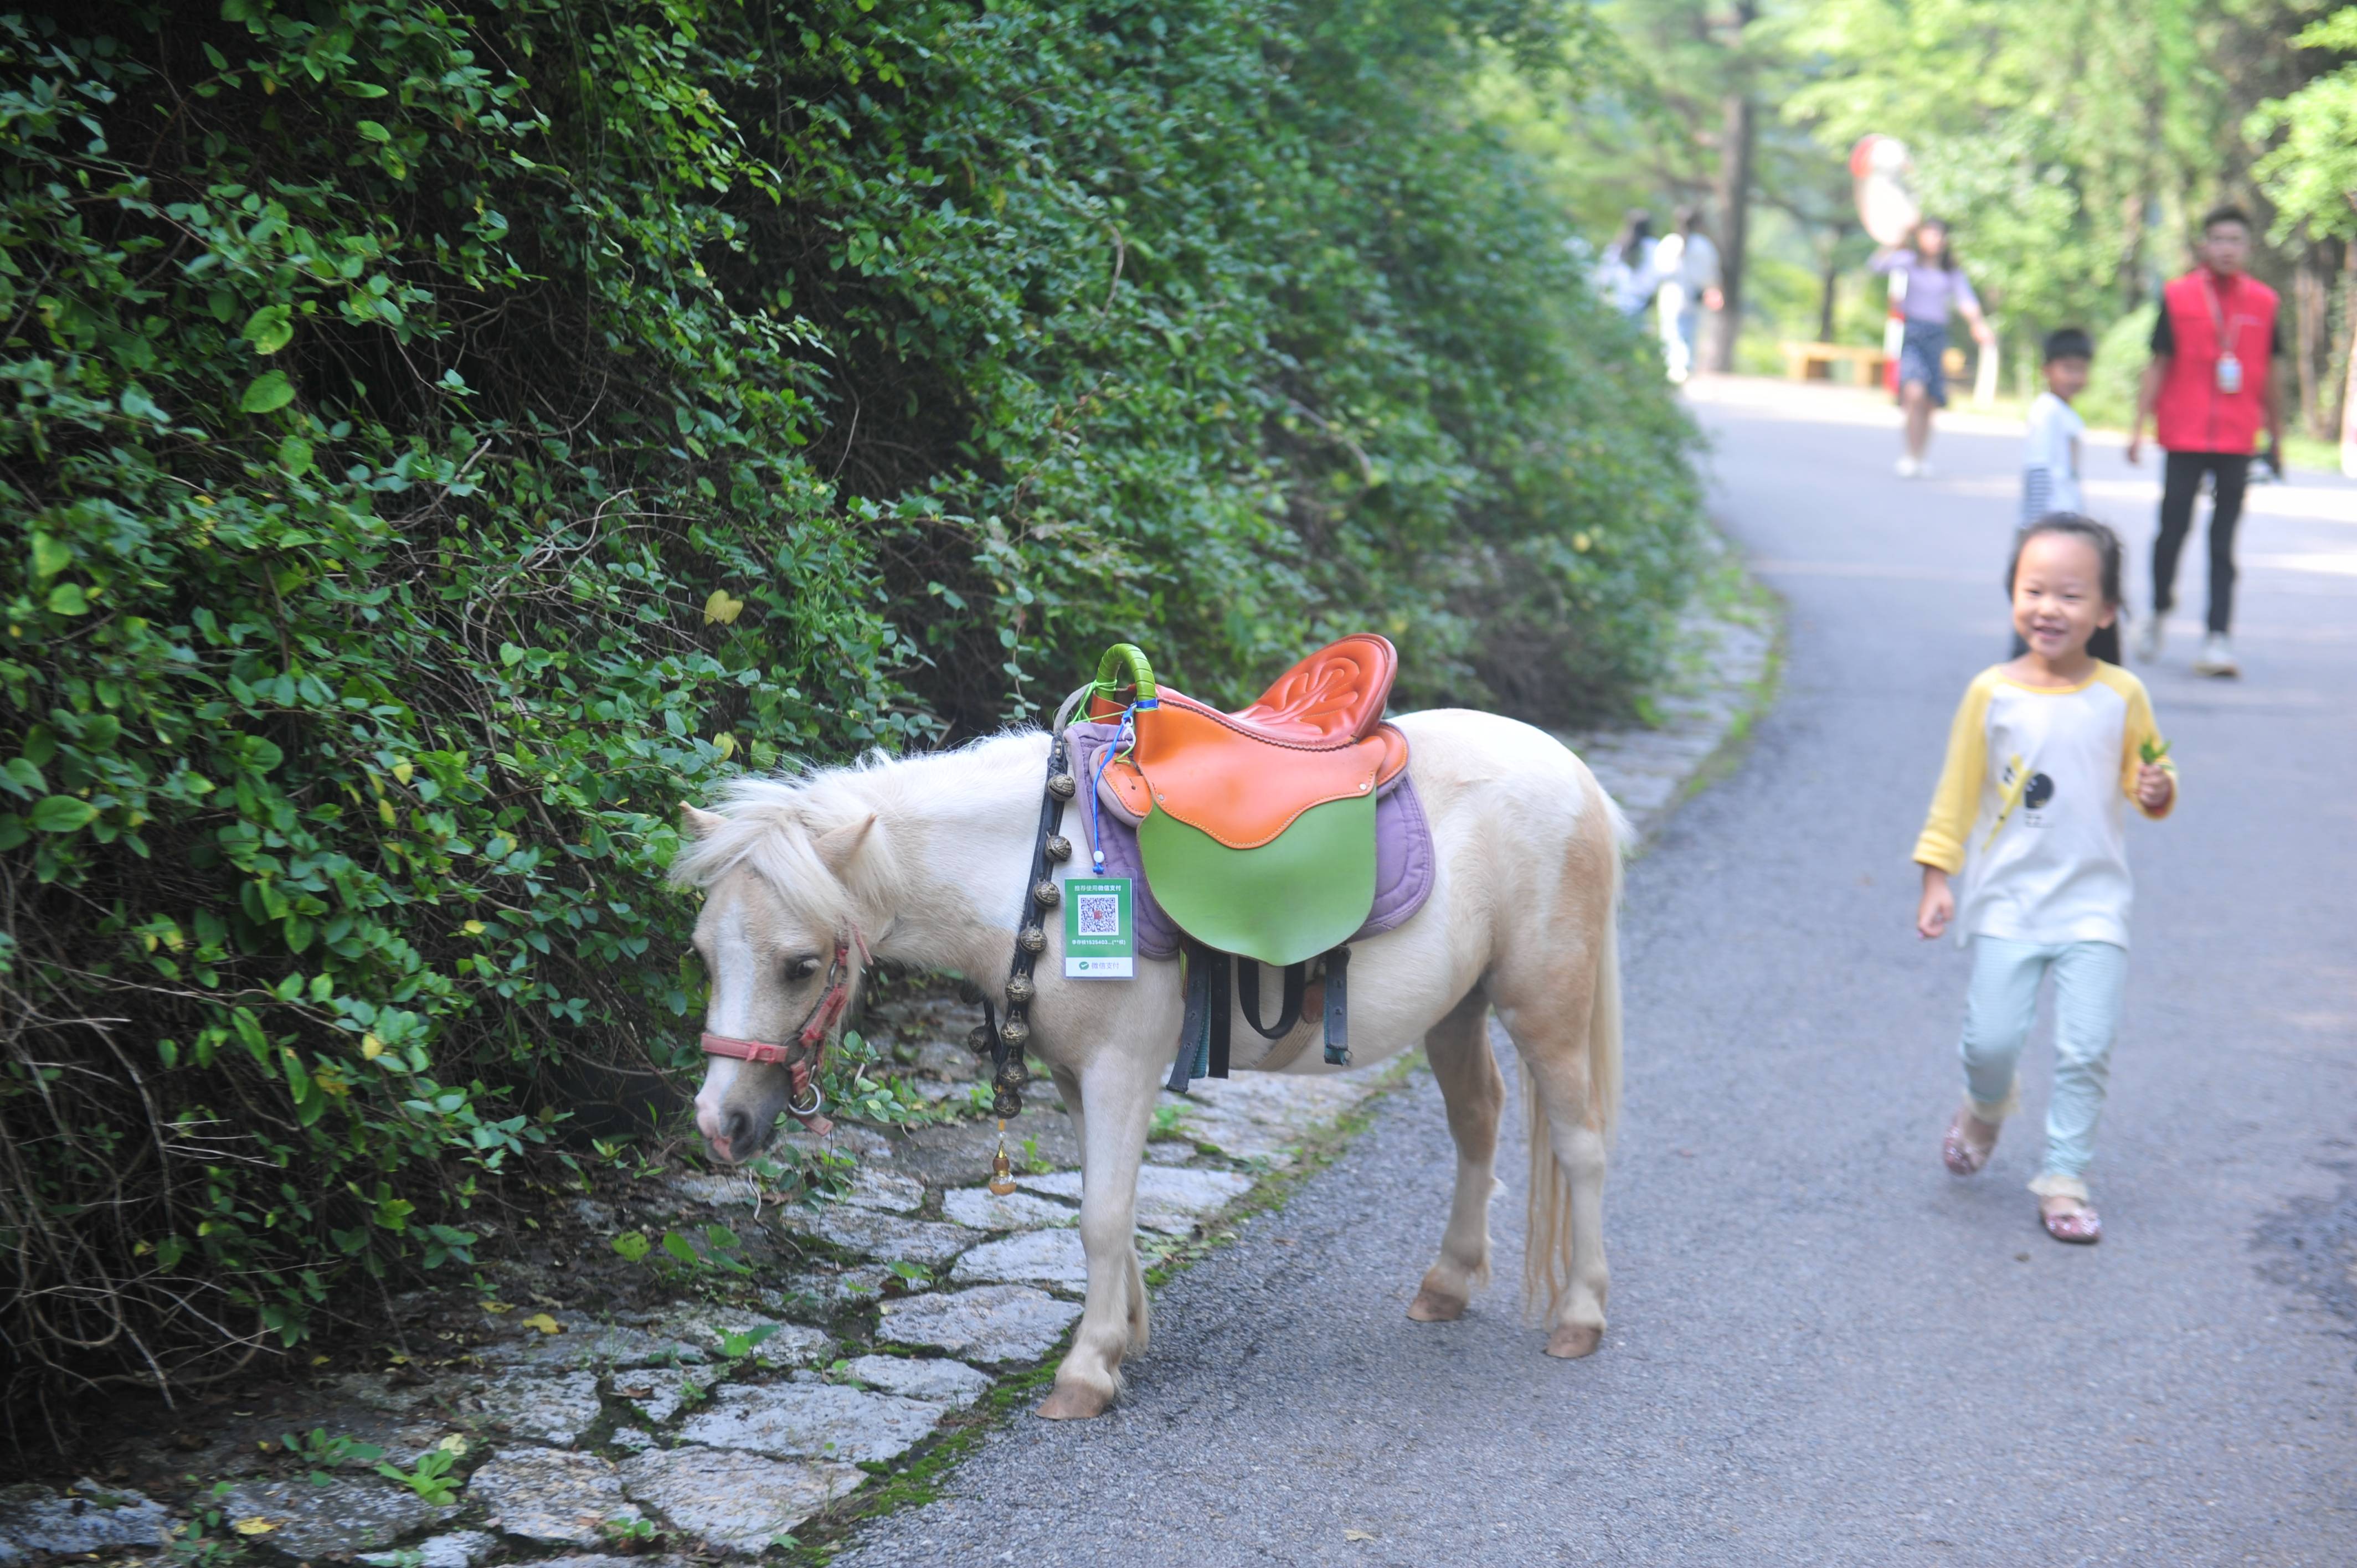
(2050, 465)
(2045, 752)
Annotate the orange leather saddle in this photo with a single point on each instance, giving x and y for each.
(1316, 735)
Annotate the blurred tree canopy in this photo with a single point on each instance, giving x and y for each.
(2073, 145)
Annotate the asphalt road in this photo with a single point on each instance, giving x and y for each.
(1823, 1349)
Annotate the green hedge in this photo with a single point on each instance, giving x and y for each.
(443, 440)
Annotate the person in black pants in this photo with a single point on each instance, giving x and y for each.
(2211, 391)
(2180, 487)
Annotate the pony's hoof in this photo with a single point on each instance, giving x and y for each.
(1431, 1306)
(1073, 1404)
(1570, 1342)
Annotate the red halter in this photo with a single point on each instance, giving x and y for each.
(802, 1057)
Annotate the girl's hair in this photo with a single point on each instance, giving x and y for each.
(2105, 644)
(1635, 230)
(1947, 241)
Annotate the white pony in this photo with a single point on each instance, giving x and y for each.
(925, 860)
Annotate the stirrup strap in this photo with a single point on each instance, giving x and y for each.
(1203, 1035)
(1338, 1007)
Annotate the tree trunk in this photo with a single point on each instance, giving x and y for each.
(2308, 296)
(1737, 131)
(2348, 388)
(1829, 282)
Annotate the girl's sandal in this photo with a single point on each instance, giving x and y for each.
(1965, 1154)
(2071, 1220)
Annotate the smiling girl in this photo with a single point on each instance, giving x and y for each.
(2046, 750)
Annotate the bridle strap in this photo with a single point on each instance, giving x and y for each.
(803, 1056)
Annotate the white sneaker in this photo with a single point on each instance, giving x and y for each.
(2217, 658)
(2148, 638)
(1910, 468)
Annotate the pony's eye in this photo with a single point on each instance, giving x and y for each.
(803, 968)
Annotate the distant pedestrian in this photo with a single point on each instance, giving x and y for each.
(2209, 390)
(2045, 751)
(2050, 461)
(1687, 261)
(1626, 277)
(1936, 285)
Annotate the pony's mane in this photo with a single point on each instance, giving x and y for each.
(773, 824)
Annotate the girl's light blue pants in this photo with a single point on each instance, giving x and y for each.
(2089, 978)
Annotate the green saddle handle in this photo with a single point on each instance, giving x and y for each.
(1125, 659)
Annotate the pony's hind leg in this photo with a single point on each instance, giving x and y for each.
(1459, 1049)
(1560, 1001)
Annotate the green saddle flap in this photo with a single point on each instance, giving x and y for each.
(1303, 892)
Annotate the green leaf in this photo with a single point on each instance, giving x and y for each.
(295, 454)
(66, 599)
(372, 131)
(63, 814)
(269, 329)
(52, 554)
(271, 390)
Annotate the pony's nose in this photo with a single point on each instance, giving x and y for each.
(729, 1130)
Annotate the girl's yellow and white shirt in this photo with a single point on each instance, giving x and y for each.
(2032, 806)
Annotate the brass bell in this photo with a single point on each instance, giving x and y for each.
(1002, 1172)
(1019, 991)
(979, 1039)
(1033, 939)
(1060, 848)
(1015, 1033)
(1061, 786)
(1046, 894)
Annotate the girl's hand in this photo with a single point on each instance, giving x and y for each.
(2154, 787)
(1937, 907)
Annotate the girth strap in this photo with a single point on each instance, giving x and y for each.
(1296, 978)
(1203, 1033)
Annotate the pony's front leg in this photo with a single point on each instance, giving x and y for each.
(1119, 1088)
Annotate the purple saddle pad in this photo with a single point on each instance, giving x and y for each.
(1404, 868)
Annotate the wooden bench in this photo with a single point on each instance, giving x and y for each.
(1816, 362)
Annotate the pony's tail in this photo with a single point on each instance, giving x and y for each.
(1546, 1247)
(1604, 1011)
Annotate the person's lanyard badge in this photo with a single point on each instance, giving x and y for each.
(2229, 364)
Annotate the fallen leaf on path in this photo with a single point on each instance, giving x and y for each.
(543, 1322)
(499, 1306)
(1357, 1535)
(257, 1525)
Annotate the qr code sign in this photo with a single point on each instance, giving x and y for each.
(1100, 913)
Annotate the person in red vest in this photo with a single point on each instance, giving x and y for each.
(2209, 390)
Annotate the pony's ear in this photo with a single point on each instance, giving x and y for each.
(699, 825)
(836, 846)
